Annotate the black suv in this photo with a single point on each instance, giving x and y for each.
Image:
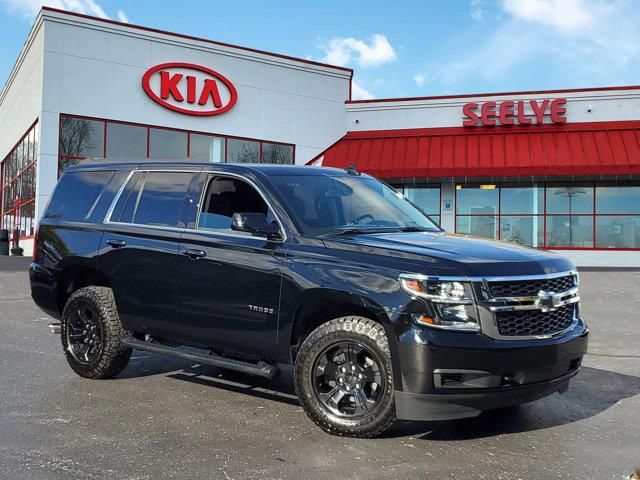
(251, 267)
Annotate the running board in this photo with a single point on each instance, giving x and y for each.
(261, 369)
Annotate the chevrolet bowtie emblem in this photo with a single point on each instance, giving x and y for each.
(547, 300)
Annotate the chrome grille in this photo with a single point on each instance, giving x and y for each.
(530, 288)
(522, 323)
(529, 306)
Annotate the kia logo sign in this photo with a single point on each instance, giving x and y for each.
(511, 113)
(189, 89)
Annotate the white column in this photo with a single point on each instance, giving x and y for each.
(47, 166)
(535, 219)
(448, 198)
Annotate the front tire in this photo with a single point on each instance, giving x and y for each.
(92, 333)
(343, 377)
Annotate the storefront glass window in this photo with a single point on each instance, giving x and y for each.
(524, 230)
(206, 148)
(80, 138)
(165, 143)
(517, 199)
(617, 198)
(569, 198)
(618, 231)
(276, 153)
(126, 141)
(477, 199)
(478, 226)
(242, 151)
(18, 187)
(570, 231)
(555, 215)
(426, 199)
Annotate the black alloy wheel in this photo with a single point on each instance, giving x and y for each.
(344, 377)
(348, 379)
(92, 332)
(84, 335)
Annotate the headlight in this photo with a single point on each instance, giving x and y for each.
(451, 302)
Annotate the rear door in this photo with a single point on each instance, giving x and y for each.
(138, 251)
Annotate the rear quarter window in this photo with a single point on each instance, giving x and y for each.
(153, 198)
(77, 195)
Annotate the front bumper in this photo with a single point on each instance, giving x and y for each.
(448, 375)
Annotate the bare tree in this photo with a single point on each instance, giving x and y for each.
(245, 152)
(280, 154)
(78, 138)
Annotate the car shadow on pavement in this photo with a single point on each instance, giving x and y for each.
(280, 389)
(146, 364)
(591, 392)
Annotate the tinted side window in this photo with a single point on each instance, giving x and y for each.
(77, 194)
(100, 208)
(116, 215)
(226, 196)
(162, 199)
(133, 196)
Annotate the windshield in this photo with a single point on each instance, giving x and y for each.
(325, 205)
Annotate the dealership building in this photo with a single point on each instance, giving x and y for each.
(558, 170)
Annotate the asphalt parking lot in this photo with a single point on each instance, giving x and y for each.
(167, 418)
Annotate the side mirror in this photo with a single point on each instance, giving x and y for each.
(255, 224)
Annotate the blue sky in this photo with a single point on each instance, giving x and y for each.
(399, 48)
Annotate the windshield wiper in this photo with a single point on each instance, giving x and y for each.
(417, 229)
(356, 231)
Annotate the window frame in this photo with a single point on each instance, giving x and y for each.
(148, 128)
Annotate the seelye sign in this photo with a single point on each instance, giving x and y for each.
(189, 89)
(514, 112)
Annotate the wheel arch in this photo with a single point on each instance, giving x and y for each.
(319, 306)
(73, 277)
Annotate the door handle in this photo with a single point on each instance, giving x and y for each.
(116, 243)
(193, 253)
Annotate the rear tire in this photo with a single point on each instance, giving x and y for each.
(344, 380)
(92, 333)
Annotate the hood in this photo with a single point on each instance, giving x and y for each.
(450, 254)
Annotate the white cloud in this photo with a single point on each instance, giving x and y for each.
(339, 51)
(360, 93)
(567, 16)
(573, 42)
(477, 10)
(420, 79)
(122, 16)
(30, 8)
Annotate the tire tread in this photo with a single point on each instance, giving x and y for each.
(115, 356)
(337, 328)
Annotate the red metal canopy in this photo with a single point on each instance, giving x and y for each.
(602, 148)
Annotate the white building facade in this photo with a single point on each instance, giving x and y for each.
(557, 170)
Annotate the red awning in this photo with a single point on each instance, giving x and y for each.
(602, 148)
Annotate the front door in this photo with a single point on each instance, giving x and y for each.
(229, 282)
